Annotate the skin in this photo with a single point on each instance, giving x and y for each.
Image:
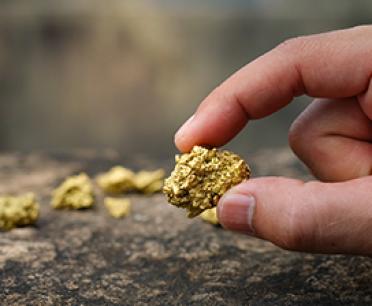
(333, 137)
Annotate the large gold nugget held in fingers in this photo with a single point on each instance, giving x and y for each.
(202, 176)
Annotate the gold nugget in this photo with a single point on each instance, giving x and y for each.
(202, 176)
(117, 180)
(18, 211)
(122, 180)
(117, 207)
(210, 216)
(76, 192)
(149, 181)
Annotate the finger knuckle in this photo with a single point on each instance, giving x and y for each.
(297, 136)
(293, 136)
(296, 235)
(294, 44)
(218, 93)
(362, 28)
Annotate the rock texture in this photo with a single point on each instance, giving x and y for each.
(156, 256)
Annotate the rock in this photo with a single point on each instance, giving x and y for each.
(156, 255)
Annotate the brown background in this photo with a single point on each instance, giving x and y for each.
(125, 74)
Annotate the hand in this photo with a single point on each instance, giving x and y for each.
(333, 137)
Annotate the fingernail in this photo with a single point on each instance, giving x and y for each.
(236, 212)
(184, 127)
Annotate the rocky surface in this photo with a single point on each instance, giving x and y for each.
(156, 256)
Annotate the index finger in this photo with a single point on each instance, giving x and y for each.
(331, 65)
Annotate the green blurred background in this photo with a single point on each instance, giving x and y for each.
(124, 75)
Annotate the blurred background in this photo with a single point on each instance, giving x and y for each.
(124, 75)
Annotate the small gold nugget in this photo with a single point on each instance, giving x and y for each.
(117, 180)
(149, 181)
(118, 207)
(76, 192)
(202, 176)
(18, 211)
(210, 216)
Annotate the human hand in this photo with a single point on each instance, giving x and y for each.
(333, 137)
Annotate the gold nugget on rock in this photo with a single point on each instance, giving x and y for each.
(117, 180)
(210, 216)
(149, 181)
(76, 192)
(18, 211)
(202, 176)
(122, 180)
(117, 207)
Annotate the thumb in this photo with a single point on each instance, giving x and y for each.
(313, 216)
